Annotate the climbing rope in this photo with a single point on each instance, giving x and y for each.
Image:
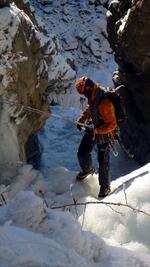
(50, 114)
(41, 112)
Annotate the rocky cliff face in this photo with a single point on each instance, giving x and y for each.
(129, 36)
(81, 29)
(24, 79)
(26, 55)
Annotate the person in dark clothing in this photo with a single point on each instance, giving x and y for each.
(102, 115)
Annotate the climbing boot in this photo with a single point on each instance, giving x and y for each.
(82, 175)
(104, 192)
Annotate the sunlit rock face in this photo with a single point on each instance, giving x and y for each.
(24, 78)
(30, 63)
(128, 24)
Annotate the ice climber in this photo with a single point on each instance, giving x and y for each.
(102, 116)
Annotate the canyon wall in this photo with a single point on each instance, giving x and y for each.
(128, 25)
(26, 54)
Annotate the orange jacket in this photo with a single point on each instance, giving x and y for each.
(106, 112)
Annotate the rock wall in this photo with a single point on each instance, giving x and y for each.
(81, 28)
(26, 54)
(24, 79)
(128, 25)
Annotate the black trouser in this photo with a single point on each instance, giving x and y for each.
(85, 158)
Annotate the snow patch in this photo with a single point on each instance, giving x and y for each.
(8, 27)
(32, 235)
(123, 22)
(60, 70)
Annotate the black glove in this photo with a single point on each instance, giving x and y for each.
(79, 127)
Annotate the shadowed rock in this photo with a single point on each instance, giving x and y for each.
(4, 3)
(128, 24)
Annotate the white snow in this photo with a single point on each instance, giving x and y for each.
(123, 22)
(96, 235)
(8, 16)
(92, 236)
(59, 65)
(81, 30)
(33, 235)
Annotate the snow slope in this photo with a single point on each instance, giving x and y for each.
(98, 235)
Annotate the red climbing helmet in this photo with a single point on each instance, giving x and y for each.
(84, 85)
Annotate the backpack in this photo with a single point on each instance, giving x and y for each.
(114, 96)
